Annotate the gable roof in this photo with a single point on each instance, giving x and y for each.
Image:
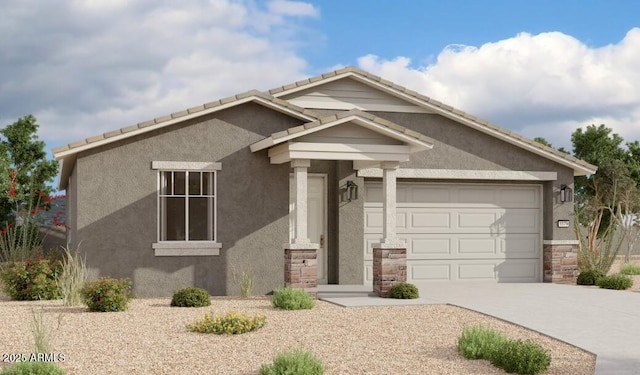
(67, 154)
(580, 167)
(386, 127)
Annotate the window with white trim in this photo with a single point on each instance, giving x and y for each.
(187, 206)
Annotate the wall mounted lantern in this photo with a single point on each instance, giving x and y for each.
(566, 194)
(352, 191)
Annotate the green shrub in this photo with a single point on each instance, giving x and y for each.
(521, 357)
(33, 279)
(589, 277)
(617, 281)
(292, 299)
(230, 324)
(33, 368)
(107, 294)
(630, 269)
(403, 291)
(72, 277)
(191, 297)
(294, 362)
(479, 342)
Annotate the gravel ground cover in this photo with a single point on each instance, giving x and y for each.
(150, 338)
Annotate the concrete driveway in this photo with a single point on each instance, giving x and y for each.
(604, 322)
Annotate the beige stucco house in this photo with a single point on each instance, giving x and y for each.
(301, 183)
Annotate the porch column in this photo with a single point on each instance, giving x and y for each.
(299, 192)
(300, 256)
(390, 255)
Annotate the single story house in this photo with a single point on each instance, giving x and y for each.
(301, 183)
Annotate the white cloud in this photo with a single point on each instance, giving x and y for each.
(539, 85)
(87, 67)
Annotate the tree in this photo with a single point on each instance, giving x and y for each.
(25, 170)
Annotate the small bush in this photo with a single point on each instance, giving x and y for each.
(33, 279)
(191, 297)
(479, 342)
(294, 362)
(521, 357)
(72, 277)
(617, 282)
(33, 368)
(404, 291)
(589, 277)
(630, 269)
(230, 324)
(292, 299)
(107, 294)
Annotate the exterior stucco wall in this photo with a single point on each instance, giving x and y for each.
(351, 223)
(457, 146)
(117, 204)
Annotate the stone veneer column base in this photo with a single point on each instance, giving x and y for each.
(560, 262)
(301, 269)
(389, 268)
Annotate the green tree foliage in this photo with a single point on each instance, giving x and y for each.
(24, 168)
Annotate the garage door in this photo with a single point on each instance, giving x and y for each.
(462, 232)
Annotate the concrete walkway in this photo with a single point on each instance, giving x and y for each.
(604, 322)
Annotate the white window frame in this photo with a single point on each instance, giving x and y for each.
(186, 247)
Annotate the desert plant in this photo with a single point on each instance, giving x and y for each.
(617, 282)
(33, 368)
(231, 323)
(72, 278)
(589, 277)
(246, 283)
(292, 299)
(33, 279)
(191, 297)
(20, 242)
(107, 294)
(630, 269)
(403, 291)
(293, 362)
(521, 357)
(42, 333)
(479, 342)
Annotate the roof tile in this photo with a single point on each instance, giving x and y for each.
(55, 150)
(227, 100)
(146, 123)
(281, 134)
(162, 119)
(95, 138)
(179, 114)
(296, 129)
(196, 109)
(112, 134)
(212, 104)
(129, 129)
(78, 144)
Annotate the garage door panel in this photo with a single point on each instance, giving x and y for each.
(520, 221)
(467, 196)
(522, 197)
(431, 246)
(518, 270)
(477, 270)
(429, 271)
(423, 219)
(520, 246)
(475, 220)
(430, 196)
(478, 247)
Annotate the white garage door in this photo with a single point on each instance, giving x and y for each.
(462, 232)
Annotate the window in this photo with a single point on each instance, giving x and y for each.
(186, 208)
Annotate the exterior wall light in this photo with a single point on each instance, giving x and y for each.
(352, 191)
(566, 194)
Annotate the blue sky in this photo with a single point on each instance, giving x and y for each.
(540, 68)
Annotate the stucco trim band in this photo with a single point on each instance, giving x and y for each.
(170, 249)
(186, 166)
(462, 174)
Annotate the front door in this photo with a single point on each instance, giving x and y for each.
(316, 219)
